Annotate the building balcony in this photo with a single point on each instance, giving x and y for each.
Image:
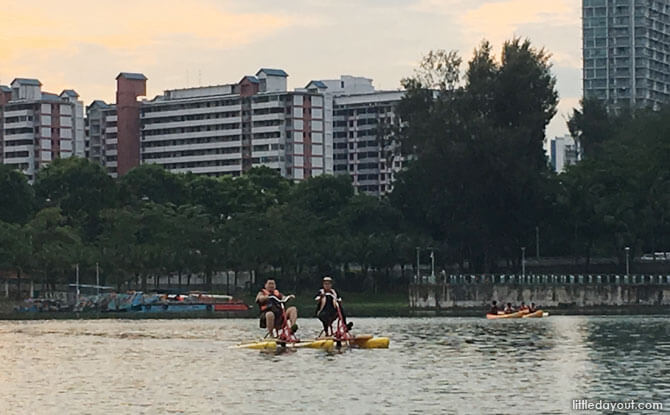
(20, 124)
(193, 159)
(17, 113)
(148, 125)
(270, 104)
(268, 129)
(190, 147)
(266, 117)
(190, 111)
(20, 136)
(199, 134)
(209, 169)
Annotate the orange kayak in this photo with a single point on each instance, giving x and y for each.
(537, 314)
(518, 314)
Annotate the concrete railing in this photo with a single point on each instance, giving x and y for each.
(580, 291)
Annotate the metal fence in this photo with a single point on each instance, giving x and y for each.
(546, 279)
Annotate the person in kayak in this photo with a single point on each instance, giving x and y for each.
(509, 309)
(271, 315)
(494, 307)
(523, 307)
(327, 303)
(532, 308)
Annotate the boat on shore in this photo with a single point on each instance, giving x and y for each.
(138, 302)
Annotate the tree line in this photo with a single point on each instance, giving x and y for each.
(477, 186)
(151, 222)
(481, 186)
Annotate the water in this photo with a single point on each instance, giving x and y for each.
(434, 365)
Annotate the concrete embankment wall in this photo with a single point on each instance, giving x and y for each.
(557, 292)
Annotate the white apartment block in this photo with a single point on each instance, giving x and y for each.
(228, 129)
(563, 152)
(38, 127)
(362, 125)
(101, 135)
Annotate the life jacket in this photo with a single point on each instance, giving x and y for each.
(265, 306)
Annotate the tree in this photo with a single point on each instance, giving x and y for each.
(56, 246)
(151, 182)
(15, 250)
(118, 245)
(479, 171)
(17, 199)
(592, 125)
(80, 188)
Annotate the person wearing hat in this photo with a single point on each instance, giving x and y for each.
(327, 304)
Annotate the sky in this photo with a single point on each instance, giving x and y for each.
(83, 45)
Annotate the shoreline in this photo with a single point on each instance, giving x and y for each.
(376, 312)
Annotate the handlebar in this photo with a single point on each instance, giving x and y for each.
(282, 300)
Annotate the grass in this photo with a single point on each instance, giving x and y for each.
(355, 304)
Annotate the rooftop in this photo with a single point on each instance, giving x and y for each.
(132, 75)
(27, 81)
(5, 88)
(272, 72)
(317, 84)
(48, 96)
(99, 103)
(70, 93)
(251, 79)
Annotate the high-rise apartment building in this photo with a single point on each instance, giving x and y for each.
(563, 152)
(341, 126)
(37, 127)
(101, 139)
(363, 120)
(214, 130)
(626, 52)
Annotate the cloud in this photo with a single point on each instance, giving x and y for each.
(498, 21)
(125, 24)
(45, 39)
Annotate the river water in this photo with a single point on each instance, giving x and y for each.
(433, 365)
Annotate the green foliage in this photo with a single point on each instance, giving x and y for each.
(620, 195)
(17, 198)
(80, 188)
(56, 246)
(151, 182)
(477, 182)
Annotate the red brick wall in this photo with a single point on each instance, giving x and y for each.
(128, 122)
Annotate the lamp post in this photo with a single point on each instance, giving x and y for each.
(523, 261)
(627, 249)
(432, 264)
(418, 265)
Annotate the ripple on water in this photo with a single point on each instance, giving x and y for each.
(434, 365)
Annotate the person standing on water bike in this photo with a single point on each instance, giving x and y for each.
(327, 304)
(271, 312)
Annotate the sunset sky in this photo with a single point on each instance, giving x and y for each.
(84, 44)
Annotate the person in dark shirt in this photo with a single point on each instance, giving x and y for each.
(494, 308)
(327, 305)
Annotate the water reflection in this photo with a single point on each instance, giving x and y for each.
(434, 365)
